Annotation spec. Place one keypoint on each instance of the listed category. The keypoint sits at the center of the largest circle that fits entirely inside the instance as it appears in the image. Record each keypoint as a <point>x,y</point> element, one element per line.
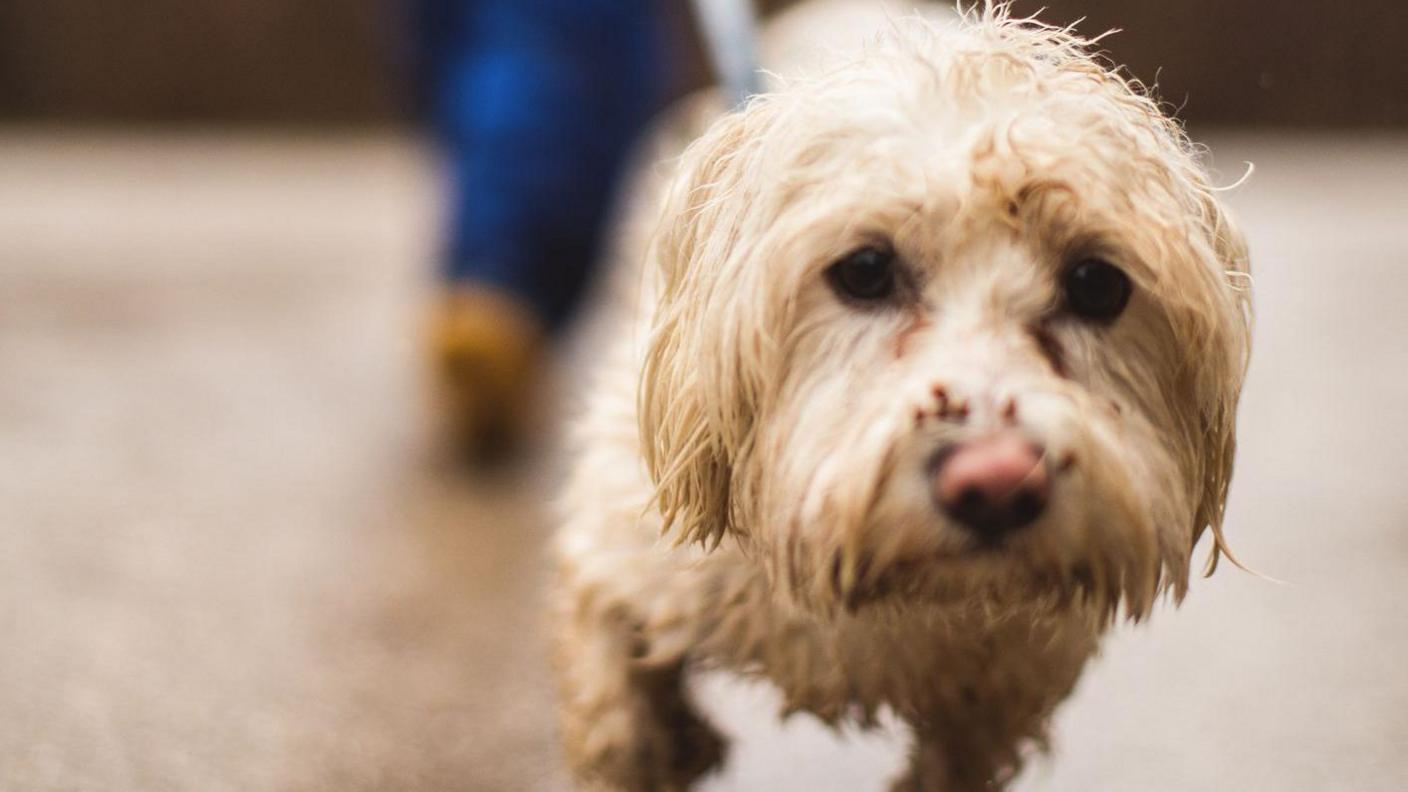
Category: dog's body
<point>817,446</point>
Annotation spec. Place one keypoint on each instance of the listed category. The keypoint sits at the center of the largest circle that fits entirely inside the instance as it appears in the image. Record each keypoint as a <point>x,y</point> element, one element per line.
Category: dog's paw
<point>698,750</point>
<point>666,751</point>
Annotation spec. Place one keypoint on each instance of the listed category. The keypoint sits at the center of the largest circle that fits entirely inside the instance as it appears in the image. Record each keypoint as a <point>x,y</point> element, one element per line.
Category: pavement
<point>234,556</point>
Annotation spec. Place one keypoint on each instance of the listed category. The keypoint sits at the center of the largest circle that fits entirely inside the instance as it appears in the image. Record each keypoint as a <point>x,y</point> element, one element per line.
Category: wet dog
<point>932,375</point>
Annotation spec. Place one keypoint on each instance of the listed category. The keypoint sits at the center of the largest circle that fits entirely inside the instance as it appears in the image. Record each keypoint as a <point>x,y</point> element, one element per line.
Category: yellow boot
<point>487,348</point>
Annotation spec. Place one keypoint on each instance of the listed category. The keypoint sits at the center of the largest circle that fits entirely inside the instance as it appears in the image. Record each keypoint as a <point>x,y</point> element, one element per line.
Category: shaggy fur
<point>749,489</point>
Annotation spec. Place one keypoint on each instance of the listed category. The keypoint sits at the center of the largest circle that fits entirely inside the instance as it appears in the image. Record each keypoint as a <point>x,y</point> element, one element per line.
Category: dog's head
<point>960,318</point>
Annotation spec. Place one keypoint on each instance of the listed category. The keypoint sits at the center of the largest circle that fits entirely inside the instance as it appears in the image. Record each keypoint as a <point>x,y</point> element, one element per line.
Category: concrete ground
<point>232,556</point>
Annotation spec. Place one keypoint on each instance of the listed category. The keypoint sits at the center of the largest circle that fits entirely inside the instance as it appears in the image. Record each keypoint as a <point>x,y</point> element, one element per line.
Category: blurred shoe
<point>487,349</point>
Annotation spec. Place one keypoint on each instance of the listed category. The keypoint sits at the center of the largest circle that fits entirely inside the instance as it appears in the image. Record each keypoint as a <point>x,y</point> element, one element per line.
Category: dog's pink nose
<point>992,485</point>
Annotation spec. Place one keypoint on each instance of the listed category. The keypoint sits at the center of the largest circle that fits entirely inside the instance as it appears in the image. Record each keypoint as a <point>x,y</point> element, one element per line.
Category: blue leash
<point>730,35</point>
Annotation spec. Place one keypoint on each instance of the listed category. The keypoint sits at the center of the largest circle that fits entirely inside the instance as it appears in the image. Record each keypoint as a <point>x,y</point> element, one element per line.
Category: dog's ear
<point>1221,373</point>
<point>699,386</point>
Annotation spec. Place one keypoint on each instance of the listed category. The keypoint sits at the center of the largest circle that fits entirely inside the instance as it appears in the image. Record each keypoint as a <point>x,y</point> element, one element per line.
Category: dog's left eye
<point>867,274</point>
<point>1096,289</point>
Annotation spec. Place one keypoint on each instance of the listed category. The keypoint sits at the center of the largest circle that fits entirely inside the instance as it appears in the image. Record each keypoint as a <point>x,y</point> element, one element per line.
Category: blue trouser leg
<point>536,103</point>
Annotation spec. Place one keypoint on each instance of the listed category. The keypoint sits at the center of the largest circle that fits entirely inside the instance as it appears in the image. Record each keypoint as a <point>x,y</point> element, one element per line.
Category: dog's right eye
<point>867,274</point>
<point>1096,289</point>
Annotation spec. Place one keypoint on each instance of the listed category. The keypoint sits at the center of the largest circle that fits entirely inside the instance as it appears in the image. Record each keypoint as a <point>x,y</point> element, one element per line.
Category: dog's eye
<point>1096,289</point>
<point>866,274</point>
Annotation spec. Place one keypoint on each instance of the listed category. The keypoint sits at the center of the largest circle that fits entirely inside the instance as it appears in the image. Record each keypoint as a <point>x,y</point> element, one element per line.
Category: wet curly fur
<point>748,488</point>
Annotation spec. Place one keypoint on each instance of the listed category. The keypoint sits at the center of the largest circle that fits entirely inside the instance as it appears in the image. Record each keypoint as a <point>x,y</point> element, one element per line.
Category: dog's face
<point>961,319</point>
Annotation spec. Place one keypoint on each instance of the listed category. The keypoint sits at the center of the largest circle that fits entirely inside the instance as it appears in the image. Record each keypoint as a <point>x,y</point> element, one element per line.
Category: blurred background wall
<point>214,61</point>
<point>1301,63</point>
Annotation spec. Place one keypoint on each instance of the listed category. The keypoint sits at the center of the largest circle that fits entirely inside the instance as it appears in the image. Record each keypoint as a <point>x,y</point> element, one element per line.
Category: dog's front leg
<point>627,725</point>
<point>945,760</point>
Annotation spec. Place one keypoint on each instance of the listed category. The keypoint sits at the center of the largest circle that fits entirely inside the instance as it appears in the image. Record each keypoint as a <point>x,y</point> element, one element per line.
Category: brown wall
<point>1270,62</point>
<point>1274,62</point>
<point>197,60</point>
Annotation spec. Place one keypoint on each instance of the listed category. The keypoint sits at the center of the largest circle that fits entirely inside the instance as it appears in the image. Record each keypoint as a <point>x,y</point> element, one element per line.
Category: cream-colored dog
<point>932,375</point>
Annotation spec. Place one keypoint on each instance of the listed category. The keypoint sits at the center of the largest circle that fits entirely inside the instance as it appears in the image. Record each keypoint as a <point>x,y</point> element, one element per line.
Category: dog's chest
<point>930,664</point>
